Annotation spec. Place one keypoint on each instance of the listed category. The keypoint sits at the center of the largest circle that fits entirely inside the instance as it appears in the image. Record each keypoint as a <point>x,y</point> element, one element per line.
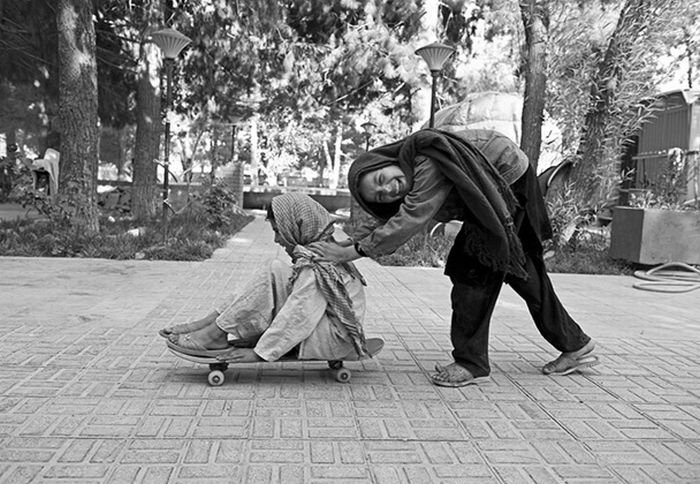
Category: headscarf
<point>300,221</point>
<point>490,233</point>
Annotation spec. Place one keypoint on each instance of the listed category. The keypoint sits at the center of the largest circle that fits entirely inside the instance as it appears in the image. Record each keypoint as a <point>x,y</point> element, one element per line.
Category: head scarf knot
<point>300,221</point>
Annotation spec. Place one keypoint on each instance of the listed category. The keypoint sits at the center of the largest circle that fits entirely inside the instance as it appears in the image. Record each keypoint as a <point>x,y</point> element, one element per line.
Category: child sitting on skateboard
<point>310,307</point>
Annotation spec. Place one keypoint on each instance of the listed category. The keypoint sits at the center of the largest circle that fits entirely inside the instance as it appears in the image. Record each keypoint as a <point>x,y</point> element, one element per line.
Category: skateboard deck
<point>340,373</point>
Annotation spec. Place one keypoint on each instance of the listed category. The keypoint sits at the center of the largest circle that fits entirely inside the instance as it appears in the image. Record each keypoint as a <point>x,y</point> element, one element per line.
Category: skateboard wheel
<point>216,378</point>
<point>335,364</point>
<point>342,375</point>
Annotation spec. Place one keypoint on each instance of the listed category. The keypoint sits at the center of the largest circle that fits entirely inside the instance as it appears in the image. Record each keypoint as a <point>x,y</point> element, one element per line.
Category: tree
<point>148,115</point>
<point>622,79</point>
<point>320,63</point>
<point>29,69</point>
<point>78,111</point>
<point>535,15</point>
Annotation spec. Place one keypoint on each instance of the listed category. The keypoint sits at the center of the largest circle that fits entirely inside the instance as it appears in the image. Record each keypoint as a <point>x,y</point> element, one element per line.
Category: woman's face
<point>279,240</point>
<point>383,185</point>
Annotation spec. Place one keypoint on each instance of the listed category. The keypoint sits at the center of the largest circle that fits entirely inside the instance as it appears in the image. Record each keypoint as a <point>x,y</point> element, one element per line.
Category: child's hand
<point>333,252</point>
<point>239,355</point>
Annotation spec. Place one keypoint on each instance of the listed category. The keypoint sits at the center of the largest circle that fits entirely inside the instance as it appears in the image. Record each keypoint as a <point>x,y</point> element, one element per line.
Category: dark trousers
<point>476,287</point>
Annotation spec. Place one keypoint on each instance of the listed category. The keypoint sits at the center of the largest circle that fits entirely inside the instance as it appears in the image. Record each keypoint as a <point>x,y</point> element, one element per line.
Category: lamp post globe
<point>435,55</point>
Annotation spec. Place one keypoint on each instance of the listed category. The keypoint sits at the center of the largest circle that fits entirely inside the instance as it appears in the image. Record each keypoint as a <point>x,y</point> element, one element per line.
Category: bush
<point>421,250</point>
<point>583,252</point>
<point>192,234</point>
<point>587,253</point>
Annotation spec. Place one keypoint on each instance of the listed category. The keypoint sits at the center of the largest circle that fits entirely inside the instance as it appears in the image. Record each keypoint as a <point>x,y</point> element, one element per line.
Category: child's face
<point>383,185</point>
<point>279,240</point>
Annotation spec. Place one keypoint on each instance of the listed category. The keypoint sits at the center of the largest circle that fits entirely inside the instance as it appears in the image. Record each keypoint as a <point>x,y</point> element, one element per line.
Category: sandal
<point>184,328</point>
<point>572,361</point>
<point>454,376</point>
<point>186,345</point>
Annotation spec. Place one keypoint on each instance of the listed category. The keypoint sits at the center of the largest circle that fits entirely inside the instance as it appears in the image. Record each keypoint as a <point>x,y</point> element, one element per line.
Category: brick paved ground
<point>90,394</point>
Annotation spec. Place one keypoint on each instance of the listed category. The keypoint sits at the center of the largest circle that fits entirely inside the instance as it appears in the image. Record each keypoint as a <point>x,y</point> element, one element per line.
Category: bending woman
<point>483,179</point>
<point>310,307</point>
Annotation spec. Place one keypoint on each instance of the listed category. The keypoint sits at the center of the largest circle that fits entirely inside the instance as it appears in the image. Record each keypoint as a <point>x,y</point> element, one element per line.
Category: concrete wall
<point>255,197</point>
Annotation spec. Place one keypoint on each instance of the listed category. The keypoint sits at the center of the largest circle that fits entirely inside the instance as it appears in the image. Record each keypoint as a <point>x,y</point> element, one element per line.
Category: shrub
<point>422,250</point>
<point>192,234</point>
<point>575,248</point>
<point>219,203</point>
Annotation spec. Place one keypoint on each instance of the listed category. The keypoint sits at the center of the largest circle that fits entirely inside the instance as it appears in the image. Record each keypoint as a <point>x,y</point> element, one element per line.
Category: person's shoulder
<point>425,164</point>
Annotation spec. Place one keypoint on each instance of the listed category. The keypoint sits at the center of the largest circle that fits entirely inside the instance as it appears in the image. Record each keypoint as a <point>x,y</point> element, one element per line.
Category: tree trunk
<point>10,136</point>
<point>122,136</point>
<point>214,153</point>
<point>535,15</point>
<point>254,151</point>
<point>144,190</point>
<point>596,139</point>
<point>688,41</point>
<point>78,111</point>
<point>237,180</point>
<point>326,162</point>
<point>337,152</point>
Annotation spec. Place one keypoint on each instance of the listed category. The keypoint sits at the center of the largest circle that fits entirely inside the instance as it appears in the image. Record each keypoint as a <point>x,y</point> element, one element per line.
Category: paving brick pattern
<point>89,392</point>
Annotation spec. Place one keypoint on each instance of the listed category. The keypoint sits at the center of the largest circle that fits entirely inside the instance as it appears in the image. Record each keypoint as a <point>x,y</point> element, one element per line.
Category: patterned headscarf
<point>300,221</point>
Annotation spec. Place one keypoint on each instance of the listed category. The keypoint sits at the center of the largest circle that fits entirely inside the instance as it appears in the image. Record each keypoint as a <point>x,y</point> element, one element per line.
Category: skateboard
<point>340,373</point>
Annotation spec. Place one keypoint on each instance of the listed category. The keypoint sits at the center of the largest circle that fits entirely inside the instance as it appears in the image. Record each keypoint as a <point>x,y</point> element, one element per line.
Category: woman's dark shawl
<point>490,232</point>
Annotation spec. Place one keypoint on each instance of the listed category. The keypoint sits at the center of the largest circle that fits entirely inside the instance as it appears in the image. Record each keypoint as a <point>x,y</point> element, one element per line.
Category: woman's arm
<point>427,195</point>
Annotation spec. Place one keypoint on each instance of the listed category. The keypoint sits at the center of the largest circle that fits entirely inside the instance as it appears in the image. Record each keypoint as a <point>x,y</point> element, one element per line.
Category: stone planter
<point>655,236</point>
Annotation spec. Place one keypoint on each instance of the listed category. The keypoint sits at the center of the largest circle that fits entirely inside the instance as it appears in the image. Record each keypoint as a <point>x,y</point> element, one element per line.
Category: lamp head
<point>435,55</point>
<point>368,126</point>
<point>170,41</point>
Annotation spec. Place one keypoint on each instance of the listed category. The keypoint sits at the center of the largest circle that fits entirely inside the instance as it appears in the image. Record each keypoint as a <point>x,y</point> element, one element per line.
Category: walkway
<point>89,392</point>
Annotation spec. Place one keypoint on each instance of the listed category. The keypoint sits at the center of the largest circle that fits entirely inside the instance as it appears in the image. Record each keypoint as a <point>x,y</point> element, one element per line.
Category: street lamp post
<point>435,55</point>
<point>235,120</point>
<point>369,129</point>
<point>171,42</point>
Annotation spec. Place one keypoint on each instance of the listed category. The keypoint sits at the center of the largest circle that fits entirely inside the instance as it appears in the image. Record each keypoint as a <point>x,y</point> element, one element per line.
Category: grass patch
<point>192,235</point>
<point>587,259</point>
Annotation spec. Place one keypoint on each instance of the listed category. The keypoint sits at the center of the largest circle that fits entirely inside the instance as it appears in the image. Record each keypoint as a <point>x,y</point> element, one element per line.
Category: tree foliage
<point>604,68</point>
<point>29,65</point>
<point>311,72</point>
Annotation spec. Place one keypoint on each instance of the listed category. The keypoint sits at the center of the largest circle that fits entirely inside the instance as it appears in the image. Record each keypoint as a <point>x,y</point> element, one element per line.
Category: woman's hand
<point>333,252</point>
<point>239,355</point>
